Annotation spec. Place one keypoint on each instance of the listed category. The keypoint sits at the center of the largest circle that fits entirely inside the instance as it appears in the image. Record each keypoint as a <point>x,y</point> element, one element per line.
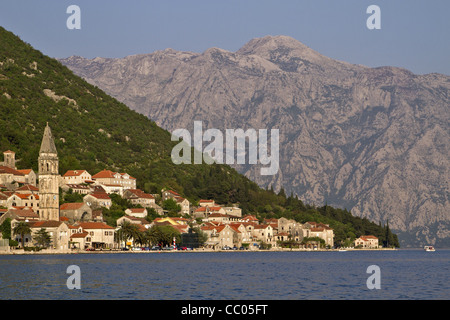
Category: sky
<point>414,34</point>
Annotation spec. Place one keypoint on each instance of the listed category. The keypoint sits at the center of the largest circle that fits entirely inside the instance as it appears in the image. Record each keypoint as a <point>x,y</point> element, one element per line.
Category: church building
<point>48,178</point>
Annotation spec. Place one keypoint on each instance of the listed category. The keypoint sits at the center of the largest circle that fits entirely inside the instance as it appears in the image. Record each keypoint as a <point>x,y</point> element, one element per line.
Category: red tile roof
<point>25,171</point>
<point>94,225</point>
<point>71,206</point>
<point>8,170</point>
<point>27,187</point>
<point>72,173</point>
<point>45,224</point>
<point>104,174</point>
<point>141,194</point>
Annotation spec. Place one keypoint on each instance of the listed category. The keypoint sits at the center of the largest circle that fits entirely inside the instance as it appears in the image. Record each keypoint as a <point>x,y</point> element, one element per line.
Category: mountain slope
<point>94,132</point>
<point>373,140</point>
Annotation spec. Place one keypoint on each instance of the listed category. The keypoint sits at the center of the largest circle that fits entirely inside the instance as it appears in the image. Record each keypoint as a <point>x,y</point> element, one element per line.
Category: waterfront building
<point>367,242</point>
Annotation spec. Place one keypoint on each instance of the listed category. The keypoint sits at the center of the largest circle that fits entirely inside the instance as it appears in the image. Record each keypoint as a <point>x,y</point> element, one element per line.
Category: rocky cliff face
<point>373,140</point>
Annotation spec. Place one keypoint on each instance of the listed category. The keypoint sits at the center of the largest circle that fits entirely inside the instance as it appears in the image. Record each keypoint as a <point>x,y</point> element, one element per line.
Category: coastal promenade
<point>201,250</point>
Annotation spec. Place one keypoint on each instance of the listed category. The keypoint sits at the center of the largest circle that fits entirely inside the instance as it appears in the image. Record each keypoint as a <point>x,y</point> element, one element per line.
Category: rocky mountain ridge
<point>372,140</point>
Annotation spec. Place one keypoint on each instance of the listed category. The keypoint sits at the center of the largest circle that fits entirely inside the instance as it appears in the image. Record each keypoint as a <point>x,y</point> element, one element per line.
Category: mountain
<point>372,140</point>
<point>94,131</point>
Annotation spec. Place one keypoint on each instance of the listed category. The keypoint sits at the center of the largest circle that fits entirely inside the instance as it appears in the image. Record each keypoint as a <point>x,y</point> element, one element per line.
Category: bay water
<point>403,275</point>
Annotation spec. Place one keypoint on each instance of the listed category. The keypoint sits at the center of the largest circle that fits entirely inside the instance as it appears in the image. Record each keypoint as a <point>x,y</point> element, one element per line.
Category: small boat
<point>429,248</point>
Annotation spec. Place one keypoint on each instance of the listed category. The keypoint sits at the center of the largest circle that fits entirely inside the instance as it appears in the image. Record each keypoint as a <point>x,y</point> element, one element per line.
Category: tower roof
<point>48,143</point>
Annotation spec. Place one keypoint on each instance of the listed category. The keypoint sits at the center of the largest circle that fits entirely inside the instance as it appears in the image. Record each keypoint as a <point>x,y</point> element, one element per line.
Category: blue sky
<point>415,34</point>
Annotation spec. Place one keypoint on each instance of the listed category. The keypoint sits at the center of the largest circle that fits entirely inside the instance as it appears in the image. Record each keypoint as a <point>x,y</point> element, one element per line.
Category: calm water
<point>405,274</point>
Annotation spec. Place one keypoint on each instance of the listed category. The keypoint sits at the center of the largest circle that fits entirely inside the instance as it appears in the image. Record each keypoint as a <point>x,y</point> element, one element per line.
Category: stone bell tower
<point>48,178</point>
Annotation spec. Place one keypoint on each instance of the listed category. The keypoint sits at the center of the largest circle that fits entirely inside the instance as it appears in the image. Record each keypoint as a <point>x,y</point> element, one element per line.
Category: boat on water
<point>429,248</point>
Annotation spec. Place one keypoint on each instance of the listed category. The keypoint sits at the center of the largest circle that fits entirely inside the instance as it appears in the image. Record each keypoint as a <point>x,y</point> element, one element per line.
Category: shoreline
<point>55,252</point>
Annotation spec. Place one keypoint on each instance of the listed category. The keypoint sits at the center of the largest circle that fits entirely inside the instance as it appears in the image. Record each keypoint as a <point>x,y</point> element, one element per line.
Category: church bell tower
<point>48,178</point>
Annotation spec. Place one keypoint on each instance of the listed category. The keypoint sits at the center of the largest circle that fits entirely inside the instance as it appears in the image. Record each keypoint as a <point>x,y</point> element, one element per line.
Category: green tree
<point>173,209</point>
<point>5,229</point>
<point>129,231</point>
<point>42,238</point>
<point>22,229</point>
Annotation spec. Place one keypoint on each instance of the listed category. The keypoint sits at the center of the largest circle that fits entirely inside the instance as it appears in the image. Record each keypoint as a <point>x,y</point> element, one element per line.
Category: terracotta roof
<point>141,194</point>
<point>94,225</point>
<point>79,235</point>
<point>104,174</point>
<point>218,215</point>
<point>28,187</point>
<point>24,213</point>
<point>8,170</point>
<point>77,186</point>
<point>72,173</point>
<point>71,206</point>
<point>9,151</point>
<point>45,224</point>
<point>141,220</point>
<point>109,174</point>
<point>262,226</point>
<point>172,192</point>
<point>25,171</point>
<point>100,195</point>
<point>26,196</point>
<point>369,237</point>
<point>137,210</point>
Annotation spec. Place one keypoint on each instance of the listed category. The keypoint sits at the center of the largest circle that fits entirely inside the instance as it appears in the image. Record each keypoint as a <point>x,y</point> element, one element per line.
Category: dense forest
<point>93,131</point>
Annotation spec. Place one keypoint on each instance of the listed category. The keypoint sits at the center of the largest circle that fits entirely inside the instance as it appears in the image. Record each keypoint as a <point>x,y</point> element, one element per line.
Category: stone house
<point>184,205</point>
<point>76,211</point>
<point>134,220</point>
<point>100,235</point>
<point>233,211</point>
<point>10,177</point>
<point>77,188</point>
<point>29,177</point>
<point>76,177</point>
<point>292,228</point>
<point>30,200</point>
<point>136,212</point>
<point>206,203</point>
<point>168,194</point>
<point>323,231</point>
<point>109,177</point>
<point>264,233</point>
<point>367,242</point>
<point>96,200</point>
<point>139,197</point>
<point>221,236</point>
<point>58,231</point>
